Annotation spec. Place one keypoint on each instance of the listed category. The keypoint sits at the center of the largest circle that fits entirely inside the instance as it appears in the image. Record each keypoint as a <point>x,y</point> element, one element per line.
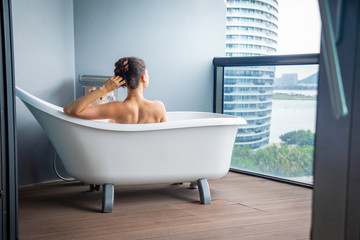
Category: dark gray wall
<point>44,66</point>
<point>177,39</point>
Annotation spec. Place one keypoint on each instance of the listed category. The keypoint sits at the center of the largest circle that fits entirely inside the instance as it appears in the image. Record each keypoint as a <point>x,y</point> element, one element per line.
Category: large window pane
<point>278,102</point>
<point>279,105</point>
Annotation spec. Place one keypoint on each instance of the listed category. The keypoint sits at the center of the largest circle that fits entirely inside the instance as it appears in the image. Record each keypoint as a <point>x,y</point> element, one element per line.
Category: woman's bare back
<point>134,111</point>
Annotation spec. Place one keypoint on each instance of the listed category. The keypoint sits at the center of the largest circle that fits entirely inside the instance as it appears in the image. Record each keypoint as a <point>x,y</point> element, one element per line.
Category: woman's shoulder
<point>157,104</point>
<point>158,108</point>
<point>161,110</point>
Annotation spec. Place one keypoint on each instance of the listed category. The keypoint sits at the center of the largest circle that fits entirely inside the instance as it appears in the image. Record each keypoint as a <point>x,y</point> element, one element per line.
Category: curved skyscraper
<point>251,30</point>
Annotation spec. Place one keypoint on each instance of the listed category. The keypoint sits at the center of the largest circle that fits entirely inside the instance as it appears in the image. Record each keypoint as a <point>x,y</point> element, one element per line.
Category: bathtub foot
<point>93,188</point>
<point>193,185</point>
<point>204,191</point>
<point>108,198</point>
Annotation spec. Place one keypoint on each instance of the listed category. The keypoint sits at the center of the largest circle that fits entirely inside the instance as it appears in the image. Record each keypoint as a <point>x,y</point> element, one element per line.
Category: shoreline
<point>294,98</point>
<point>285,96</point>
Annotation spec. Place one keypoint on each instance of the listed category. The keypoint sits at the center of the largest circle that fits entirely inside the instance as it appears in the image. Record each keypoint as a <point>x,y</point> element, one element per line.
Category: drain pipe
<point>57,172</point>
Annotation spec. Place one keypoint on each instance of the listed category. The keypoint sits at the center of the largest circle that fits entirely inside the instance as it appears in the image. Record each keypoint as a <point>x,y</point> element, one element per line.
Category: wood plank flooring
<point>243,207</point>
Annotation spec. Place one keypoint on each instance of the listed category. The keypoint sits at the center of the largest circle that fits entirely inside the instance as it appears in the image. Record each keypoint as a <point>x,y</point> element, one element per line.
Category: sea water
<point>291,115</point>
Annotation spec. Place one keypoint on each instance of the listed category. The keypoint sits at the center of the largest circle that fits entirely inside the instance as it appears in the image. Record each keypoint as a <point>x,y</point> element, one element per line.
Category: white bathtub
<point>191,146</point>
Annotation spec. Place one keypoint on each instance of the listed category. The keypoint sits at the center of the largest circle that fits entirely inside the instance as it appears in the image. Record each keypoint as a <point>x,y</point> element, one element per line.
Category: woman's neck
<point>135,93</point>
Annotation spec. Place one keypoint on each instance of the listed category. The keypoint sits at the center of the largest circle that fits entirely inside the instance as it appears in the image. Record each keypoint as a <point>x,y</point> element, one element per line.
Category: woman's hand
<point>113,83</point>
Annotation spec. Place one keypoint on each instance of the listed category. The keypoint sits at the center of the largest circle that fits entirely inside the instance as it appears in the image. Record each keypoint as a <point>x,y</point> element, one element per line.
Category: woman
<point>129,72</point>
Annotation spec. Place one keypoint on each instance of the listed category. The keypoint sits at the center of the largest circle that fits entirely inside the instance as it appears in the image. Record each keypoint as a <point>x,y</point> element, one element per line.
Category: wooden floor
<point>243,207</point>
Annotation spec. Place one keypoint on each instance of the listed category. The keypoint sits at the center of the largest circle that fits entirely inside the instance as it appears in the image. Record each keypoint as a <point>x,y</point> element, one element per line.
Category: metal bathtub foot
<point>108,198</point>
<point>93,188</point>
<point>204,191</point>
<point>193,185</point>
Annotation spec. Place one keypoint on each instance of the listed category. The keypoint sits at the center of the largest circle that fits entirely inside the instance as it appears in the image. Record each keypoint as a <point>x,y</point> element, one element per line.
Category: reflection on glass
<point>279,104</point>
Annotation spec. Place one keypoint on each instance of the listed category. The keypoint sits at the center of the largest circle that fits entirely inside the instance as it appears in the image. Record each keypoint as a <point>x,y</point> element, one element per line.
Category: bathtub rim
<point>207,119</point>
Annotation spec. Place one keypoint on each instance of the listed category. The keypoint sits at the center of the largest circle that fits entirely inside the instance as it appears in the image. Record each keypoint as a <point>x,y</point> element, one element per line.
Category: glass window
<point>278,102</point>
<point>279,105</point>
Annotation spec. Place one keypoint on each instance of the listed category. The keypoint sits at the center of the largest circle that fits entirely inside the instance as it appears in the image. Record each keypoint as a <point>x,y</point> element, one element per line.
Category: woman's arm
<point>80,107</point>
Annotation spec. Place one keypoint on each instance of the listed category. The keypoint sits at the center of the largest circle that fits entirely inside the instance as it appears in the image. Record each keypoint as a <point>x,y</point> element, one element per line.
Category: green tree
<point>284,160</point>
<point>299,137</point>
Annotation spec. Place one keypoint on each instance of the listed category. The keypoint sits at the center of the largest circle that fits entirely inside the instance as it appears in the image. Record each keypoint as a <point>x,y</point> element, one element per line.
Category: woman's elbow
<point>75,113</point>
<point>164,117</point>
<point>68,111</point>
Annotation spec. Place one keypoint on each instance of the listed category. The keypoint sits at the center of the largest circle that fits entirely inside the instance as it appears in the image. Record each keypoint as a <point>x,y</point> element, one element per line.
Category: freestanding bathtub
<point>191,146</point>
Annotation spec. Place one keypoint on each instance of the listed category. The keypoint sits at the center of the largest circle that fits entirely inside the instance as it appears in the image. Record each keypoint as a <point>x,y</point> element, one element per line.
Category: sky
<point>299,27</point>
<point>299,32</point>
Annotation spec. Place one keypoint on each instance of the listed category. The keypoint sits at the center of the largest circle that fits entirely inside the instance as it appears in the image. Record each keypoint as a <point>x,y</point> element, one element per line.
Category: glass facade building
<point>251,30</point>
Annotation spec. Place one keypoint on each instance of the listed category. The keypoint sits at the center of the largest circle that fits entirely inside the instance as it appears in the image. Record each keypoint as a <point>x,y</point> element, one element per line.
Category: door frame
<point>336,192</point>
<point>8,160</point>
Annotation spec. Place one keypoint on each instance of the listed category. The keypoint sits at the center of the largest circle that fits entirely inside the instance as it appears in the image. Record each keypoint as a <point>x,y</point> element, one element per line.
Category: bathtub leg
<point>108,198</point>
<point>93,188</point>
<point>204,191</point>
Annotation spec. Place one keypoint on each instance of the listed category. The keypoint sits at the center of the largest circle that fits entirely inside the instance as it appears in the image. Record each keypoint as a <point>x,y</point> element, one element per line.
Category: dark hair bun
<point>131,69</point>
<point>121,66</point>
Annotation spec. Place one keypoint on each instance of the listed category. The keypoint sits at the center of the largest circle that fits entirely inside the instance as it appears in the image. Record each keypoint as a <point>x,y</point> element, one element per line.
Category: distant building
<point>251,30</point>
<point>287,79</point>
<point>290,81</point>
